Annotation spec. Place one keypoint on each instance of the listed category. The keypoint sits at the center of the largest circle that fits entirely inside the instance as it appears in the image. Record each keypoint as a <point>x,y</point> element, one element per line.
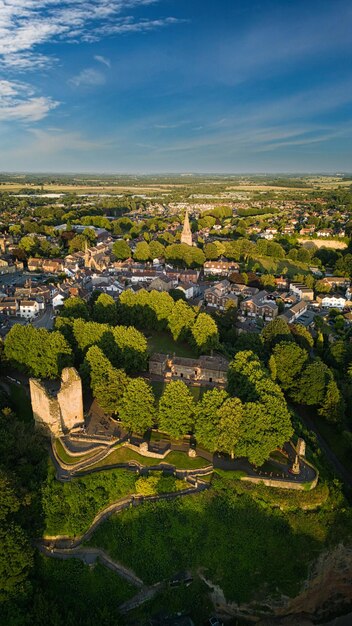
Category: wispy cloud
<point>102,60</point>
<point>18,101</point>
<point>88,77</point>
<point>27,24</point>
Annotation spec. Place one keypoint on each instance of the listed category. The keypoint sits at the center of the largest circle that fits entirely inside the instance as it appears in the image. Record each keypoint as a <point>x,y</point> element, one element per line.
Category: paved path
<point>90,556</point>
<point>66,547</point>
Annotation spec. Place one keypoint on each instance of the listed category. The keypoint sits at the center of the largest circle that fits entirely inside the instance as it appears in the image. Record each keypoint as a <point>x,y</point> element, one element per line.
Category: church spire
<point>186,236</point>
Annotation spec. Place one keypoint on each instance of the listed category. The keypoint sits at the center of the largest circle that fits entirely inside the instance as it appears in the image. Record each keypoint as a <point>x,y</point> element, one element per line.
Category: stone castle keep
<point>58,407</point>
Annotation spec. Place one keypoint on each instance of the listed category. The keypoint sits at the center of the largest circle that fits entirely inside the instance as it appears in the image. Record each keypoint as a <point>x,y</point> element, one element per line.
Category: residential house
<point>281,283</point>
<point>29,309</point>
<point>220,268</point>
<point>9,306</point>
<point>331,301</point>
<point>292,314</point>
<point>303,292</point>
<point>161,283</point>
<point>336,281</point>
<point>260,306</point>
<point>219,295</point>
<point>243,290</point>
<point>189,289</point>
<point>58,299</point>
<point>324,232</point>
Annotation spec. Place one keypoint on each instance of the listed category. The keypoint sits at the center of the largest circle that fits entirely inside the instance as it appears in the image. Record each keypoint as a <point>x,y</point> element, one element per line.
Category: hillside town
<point>263,259</point>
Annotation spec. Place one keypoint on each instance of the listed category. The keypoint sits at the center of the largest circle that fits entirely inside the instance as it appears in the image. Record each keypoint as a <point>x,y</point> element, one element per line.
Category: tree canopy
<point>37,352</point>
<point>137,406</point>
<point>176,409</point>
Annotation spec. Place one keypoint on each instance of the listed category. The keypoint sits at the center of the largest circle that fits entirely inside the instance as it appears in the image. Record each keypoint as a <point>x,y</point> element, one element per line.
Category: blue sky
<point>176,85</point>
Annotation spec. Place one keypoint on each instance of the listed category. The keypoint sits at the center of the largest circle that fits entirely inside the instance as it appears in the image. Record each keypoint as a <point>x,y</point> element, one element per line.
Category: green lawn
<point>277,266</point>
<point>163,342</point>
<point>159,386</point>
<point>237,535</point>
<point>68,458</point>
<point>180,459</point>
<point>183,461</point>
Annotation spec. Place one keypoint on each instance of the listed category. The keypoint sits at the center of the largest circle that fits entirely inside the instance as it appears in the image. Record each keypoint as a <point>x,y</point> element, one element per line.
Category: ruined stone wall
<point>281,484</point>
<point>61,412</point>
<point>45,408</point>
<point>70,399</point>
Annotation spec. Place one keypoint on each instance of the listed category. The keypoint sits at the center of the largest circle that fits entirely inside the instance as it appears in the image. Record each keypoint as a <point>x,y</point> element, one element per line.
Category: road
<point>45,320</point>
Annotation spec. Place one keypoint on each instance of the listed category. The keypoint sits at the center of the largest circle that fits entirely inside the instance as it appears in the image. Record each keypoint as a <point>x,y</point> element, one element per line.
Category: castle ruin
<point>58,407</point>
<point>204,370</point>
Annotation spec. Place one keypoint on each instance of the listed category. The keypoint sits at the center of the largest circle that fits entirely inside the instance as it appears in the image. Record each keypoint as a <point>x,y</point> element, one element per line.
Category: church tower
<point>186,236</point>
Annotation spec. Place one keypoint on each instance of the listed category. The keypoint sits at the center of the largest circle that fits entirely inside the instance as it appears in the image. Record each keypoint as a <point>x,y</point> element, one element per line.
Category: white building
<point>333,302</point>
<point>188,289</point>
<point>29,309</point>
<point>58,300</point>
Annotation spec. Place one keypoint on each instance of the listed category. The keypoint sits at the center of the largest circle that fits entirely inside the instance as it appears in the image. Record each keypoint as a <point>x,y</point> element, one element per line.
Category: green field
<point>278,266</point>
<point>163,342</point>
<point>159,386</point>
<point>181,460</point>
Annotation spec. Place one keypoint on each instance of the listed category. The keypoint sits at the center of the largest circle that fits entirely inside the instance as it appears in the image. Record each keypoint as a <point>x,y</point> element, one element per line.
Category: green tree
<point>230,418</point>
<point>16,560</point>
<point>322,287</point>
<point>302,336</point>
<point>37,352</point>
<point>266,421</point>
<point>75,307</point>
<point>104,310</point>
<point>211,251</point>
<point>157,250</point>
<point>207,418</point>
<point>107,383</point>
<point>176,409</point>
<point>121,250</point>
<point>333,406</point>
<point>274,332</point>
<point>28,244</point>
<point>142,251</point>
<point>311,386</point>
<point>137,407</point>
<point>205,333</point>
<point>289,361</point>
<point>77,242</point>
<point>16,554</point>
<point>181,320</point>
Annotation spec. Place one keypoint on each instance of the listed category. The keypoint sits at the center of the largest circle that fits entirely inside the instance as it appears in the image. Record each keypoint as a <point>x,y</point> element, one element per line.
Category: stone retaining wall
<point>281,484</point>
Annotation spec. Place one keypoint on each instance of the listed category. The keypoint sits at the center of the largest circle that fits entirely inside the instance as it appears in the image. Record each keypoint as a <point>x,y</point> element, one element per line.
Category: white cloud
<point>88,77</point>
<point>27,24</point>
<point>18,101</point>
<point>103,60</point>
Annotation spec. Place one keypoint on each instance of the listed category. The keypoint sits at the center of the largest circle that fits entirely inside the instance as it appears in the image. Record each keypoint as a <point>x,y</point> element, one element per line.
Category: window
<point>210,380</point>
